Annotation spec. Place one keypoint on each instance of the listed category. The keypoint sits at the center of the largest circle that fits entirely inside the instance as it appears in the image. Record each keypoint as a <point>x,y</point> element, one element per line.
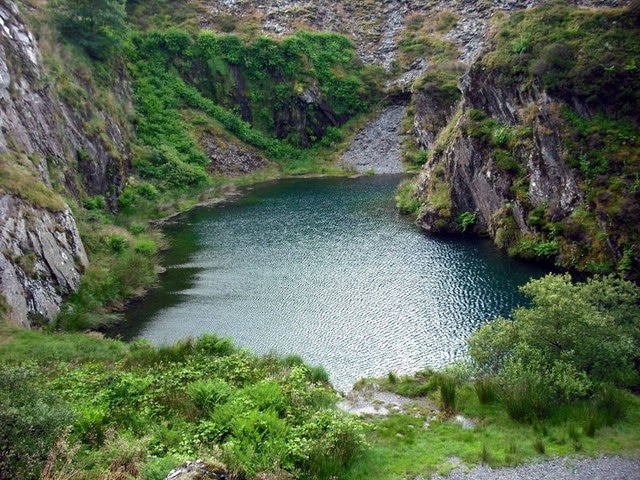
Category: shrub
<point>117,242</point>
<point>31,420</point>
<point>95,203</point>
<point>466,219</point>
<point>407,200</point>
<point>607,406</point>
<point>326,444</point>
<point>145,247</point>
<point>538,446</point>
<point>485,388</point>
<point>210,344</point>
<point>448,389</point>
<point>420,157</point>
<point>524,393</point>
<point>318,374</point>
<point>207,394</point>
<point>573,337</point>
<point>96,26</point>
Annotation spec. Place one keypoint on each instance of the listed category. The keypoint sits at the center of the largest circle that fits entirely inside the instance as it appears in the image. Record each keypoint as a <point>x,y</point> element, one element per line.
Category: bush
<point>318,374</point>
<point>145,247</point>
<point>574,336</point>
<point>525,393</point>
<point>485,388</point>
<point>466,219</point>
<point>407,200</point>
<point>207,394</point>
<point>98,26</point>
<point>117,242</point>
<point>31,420</point>
<point>210,344</point>
<point>607,406</point>
<point>326,444</point>
<point>95,203</point>
<point>448,389</point>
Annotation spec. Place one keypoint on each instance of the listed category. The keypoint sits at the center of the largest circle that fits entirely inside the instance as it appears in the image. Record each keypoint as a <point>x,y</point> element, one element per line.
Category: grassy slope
<point>402,447</point>
<point>146,410</point>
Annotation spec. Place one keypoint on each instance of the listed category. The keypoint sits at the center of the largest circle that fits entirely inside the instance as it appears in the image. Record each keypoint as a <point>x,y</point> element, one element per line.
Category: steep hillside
<point>59,135</point>
<point>542,151</point>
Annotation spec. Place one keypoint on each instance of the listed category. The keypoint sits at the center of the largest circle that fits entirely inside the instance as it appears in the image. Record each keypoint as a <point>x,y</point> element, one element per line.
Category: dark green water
<point>327,269</point>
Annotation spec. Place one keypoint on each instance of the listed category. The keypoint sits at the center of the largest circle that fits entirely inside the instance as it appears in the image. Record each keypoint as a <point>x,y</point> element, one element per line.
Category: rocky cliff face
<point>41,261</point>
<point>476,181</point>
<point>505,161</point>
<point>374,26</point>
<point>46,145</point>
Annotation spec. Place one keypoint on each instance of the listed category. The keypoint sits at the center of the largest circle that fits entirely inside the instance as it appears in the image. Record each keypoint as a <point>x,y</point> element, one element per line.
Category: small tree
<point>97,26</point>
<point>574,336</point>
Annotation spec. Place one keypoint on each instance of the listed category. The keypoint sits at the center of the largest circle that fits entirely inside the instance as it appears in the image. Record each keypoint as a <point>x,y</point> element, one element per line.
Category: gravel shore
<point>563,468</point>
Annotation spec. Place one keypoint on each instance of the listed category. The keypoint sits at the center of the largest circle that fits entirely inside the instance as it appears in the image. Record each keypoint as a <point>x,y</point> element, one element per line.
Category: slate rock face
<point>476,183</point>
<point>45,142</point>
<point>41,258</point>
<point>198,470</point>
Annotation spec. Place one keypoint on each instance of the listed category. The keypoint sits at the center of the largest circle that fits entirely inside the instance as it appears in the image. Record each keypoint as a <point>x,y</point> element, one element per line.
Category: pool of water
<point>327,269</point>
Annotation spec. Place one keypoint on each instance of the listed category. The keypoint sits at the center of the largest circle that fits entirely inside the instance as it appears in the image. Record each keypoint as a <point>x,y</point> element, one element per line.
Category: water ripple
<point>326,268</point>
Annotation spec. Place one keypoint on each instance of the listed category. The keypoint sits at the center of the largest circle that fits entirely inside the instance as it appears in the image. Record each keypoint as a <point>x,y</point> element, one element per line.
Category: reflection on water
<point>327,269</point>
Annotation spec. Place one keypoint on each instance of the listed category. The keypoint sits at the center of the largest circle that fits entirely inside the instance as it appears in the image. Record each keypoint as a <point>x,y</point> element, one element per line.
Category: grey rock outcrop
<point>229,157</point>
<point>375,27</point>
<point>35,121</point>
<point>46,145</point>
<point>476,183</point>
<point>41,258</point>
<point>198,470</point>
<point>376,148</point>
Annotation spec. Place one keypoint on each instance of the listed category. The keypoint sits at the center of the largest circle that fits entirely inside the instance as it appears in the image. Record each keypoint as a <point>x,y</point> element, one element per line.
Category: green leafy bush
<point>98,26</point>
<point>117,242</point>
<point>31,420</point>
<point>407,200</point>
<point>94,203</point>
<point>573,337</point>
<point>466,219</point>
<point>207,394</point>
<point>326,444</point>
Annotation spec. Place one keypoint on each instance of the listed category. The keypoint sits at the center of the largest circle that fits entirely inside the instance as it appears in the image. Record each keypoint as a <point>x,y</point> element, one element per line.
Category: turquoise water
<point>326,268</point>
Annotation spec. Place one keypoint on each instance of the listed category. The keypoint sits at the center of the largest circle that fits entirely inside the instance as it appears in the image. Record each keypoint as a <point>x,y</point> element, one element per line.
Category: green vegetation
<point>466,220</point>
<point>580,57</point>
<point>591,55</point>
<point>20,181</point>
<point>575,341</point>
<point>85,407</point>
<point>423,39</point>
<point>114,252</point>
<point>506,143</point>
<point>407,200</point>
<point>552,381</point>
<point>251,89</point>
<point>96,26</point>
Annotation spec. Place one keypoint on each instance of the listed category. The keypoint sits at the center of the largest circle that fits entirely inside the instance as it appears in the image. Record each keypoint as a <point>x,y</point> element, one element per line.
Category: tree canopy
<point>95,25</point>
<point>574,338</point>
